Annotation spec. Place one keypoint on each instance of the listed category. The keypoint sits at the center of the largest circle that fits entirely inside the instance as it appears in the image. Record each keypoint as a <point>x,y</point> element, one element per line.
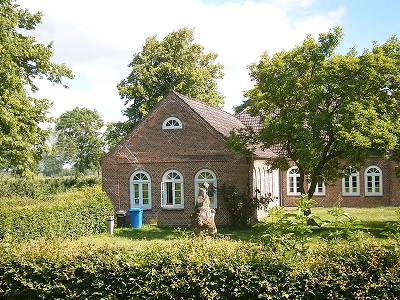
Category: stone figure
<point>203,216</point>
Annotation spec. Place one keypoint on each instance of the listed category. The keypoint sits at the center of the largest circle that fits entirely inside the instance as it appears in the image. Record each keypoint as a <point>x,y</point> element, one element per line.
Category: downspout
<point>119,197</point>
<point>280,187</point>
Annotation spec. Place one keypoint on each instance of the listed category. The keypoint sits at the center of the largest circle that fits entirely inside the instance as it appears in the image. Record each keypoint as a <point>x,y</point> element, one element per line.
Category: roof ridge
<point>183,97</point>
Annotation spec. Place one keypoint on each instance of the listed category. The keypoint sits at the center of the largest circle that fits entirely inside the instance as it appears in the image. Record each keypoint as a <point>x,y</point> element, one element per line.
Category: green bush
<point>241,208</point>
<point>196,268</point>
<point>72,214</point>
<point>41,187</point>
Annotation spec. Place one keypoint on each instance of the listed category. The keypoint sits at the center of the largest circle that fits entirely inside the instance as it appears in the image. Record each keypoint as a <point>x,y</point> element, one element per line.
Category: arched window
<point>140,190</point>
<point>268,182</point>
<point>351,182</point>
<point>172,123</point>
<point>208,176</point>
<point>293,181</point>
<point>255,181</point>
<point>373,181</point>
<point>172,190</point>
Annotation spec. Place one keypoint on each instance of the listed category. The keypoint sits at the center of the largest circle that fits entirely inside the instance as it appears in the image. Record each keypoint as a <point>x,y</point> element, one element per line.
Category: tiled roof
<point>248,120</point>
<point>224,122</point>
<point>219,119</point>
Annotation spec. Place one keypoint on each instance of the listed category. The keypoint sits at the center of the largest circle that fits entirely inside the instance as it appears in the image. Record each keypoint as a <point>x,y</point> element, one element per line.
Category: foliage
<point>241,208</point>
<point>40,188</point>
<point>325,111</point>
<point>175,63</point>
<point>72,214</point>
<point>22,60</point>
<point>80,139</point>
<point>115,132</point>
<point>196,268</point>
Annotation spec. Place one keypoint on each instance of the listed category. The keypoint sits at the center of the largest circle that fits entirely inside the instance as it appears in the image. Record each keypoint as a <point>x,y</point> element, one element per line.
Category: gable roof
<point>220,120</point>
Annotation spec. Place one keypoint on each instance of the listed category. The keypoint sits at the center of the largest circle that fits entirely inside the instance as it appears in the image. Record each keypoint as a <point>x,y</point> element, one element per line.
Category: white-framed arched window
<point>293,181</point>
<point>172,190</point>
<point>254,182</point>
<point>140,190</point>
<point>208,176</point>
<point>268,182</point>
<point>172,123</point>
<point>373,181</point>
<point>351,182</point>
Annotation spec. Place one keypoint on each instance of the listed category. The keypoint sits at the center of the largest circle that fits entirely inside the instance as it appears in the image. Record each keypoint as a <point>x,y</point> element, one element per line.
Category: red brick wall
<point>391,189</point>
<point>197,146</point>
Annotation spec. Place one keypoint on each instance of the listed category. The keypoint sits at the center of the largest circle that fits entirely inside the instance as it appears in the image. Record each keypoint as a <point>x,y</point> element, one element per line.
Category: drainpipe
<point>280,187</point>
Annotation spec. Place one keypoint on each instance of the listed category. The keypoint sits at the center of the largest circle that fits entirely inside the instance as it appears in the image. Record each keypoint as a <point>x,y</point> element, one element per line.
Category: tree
<point>22,60</point>
<point>52,163</point>
<point>115,132</point>
<point>80,138</point>
<point>173,63</point>
<point>325,111</point>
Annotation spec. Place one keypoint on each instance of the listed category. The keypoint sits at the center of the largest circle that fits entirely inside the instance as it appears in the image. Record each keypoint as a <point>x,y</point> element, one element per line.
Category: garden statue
<point>203,216</point>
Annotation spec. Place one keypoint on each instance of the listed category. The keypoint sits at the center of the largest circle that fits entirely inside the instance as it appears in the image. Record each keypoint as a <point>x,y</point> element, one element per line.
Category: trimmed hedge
<point>73,214</point>
<point>197,268</point>
<point>41,187</point>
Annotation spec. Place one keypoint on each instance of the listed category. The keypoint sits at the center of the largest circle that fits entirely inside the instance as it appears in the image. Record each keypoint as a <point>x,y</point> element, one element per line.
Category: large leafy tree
<point>176,63</point>
<point>79,138</point>
<point>322,110</point>
<point>22,59</point>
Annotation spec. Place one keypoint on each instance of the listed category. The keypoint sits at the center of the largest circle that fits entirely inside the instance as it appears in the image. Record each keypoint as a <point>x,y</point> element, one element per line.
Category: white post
<point>110,224</point>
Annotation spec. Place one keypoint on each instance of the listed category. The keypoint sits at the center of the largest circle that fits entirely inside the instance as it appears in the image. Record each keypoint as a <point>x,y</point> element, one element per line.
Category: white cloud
<point>97,39</point>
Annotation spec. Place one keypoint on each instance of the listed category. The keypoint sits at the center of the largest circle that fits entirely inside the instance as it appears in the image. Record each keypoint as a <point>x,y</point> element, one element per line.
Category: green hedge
<point>72,214</point>
<point>41,187</point>
<point>200,268</point>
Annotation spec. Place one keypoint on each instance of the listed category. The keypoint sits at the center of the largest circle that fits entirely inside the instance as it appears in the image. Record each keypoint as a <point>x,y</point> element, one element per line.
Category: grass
<point>371,221</point>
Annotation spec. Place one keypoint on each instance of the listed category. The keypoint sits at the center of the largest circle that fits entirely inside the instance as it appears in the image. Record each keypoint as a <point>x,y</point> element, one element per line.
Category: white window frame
<point>200,178</point>
<point>320,189</point>
<point>269,182</point>
<point>374,184</point>
<point>293,181</point>
<point>172,123</point>
<point>140,184</point>
<point>353,180</point>
<point>255,181</point>
<point>171,182</point>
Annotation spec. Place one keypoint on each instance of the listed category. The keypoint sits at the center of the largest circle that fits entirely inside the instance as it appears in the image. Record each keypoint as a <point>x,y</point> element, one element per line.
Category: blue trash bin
<point>136,215</point>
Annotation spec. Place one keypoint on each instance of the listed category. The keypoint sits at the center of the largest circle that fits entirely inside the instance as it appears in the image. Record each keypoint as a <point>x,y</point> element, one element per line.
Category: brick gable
<point>200,144</point>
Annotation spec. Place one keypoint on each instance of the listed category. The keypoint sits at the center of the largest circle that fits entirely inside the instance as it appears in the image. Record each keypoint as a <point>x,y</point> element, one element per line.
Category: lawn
<point>371,221</point>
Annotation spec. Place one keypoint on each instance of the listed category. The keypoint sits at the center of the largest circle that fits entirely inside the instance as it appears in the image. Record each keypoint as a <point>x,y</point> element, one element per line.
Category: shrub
<point>196,268</point>
<point>72,214</point>
<point>41,187</point>
<point>241,208</point>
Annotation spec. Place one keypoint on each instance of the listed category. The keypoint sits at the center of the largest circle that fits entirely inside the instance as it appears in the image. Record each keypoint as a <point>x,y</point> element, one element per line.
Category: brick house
<point>182,142</point>
<point>377,183</point>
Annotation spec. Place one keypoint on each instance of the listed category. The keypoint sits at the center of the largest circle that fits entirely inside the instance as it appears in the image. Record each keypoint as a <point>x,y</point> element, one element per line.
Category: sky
<point>97,38</point>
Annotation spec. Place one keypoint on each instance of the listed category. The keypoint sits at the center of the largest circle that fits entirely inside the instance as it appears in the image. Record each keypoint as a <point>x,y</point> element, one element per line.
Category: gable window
<point>208,176</point>
<point>351,183</point>
<point>172,123</point>
<point>373,181</point>
<point>140,190</point>
<point>172,190</point>
<point>293,181</point>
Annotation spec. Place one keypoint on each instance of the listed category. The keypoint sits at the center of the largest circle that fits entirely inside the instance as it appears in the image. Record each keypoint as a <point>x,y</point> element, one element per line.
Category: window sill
<point>167,207</point>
